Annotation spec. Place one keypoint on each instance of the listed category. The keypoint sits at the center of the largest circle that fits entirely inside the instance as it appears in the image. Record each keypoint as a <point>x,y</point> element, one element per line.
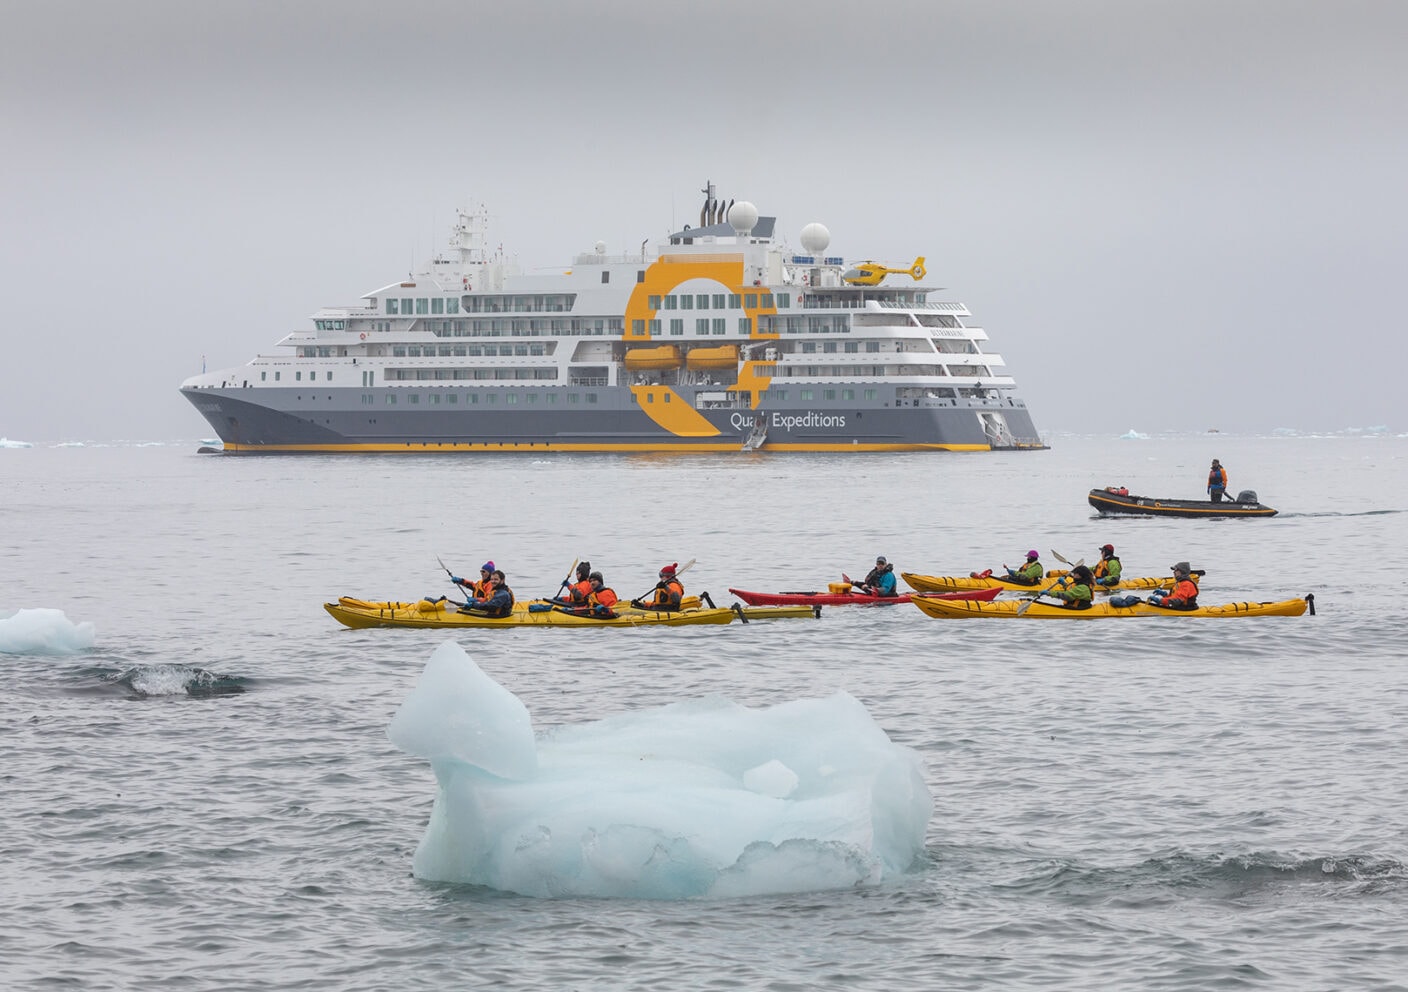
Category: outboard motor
<point>1247,496</point>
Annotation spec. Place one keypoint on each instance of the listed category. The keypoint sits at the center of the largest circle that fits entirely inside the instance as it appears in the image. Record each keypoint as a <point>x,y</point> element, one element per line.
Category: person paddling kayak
<point>1029,574</point>
<point>1183,596</point>
<point>1107,569</point>
<point>1075,589</point>
<point>668,594</point>
<point>879,581</point>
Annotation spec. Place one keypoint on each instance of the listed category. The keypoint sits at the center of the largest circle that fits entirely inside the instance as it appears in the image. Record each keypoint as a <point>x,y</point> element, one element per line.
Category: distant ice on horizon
<point>1133,435</point>
<point>7,443</point>
<point>44,631</point>
<point>701,798</point>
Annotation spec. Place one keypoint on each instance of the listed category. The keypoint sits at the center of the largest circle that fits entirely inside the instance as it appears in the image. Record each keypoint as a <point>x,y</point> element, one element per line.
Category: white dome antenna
<point>815,238</point>
<point>743,217</point>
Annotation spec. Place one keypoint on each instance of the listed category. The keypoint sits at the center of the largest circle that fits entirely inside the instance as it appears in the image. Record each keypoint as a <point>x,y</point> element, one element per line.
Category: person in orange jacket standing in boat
<point>1217,481</point>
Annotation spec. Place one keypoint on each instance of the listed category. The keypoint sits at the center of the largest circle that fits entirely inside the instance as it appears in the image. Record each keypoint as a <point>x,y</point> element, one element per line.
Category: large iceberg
<point>704,798</point>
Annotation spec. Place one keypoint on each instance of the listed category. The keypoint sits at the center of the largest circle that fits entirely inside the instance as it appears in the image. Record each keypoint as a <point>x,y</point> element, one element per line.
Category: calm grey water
<point>207,799</point>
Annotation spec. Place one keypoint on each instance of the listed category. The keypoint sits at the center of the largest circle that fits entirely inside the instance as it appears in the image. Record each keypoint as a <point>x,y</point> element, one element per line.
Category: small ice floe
<point>44,631</point>
<point>1133,435</point>
<point>7,443</point>
<point>700,798</point>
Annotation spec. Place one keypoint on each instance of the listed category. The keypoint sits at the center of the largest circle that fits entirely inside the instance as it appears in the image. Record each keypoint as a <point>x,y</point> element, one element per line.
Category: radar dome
<point>742,216</point>
<point>815,238</point>
<point>601,247</point>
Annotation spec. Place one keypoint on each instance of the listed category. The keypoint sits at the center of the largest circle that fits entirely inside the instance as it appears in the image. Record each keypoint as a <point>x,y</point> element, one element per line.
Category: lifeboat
<point>665,356</point>
<point>723,357</point>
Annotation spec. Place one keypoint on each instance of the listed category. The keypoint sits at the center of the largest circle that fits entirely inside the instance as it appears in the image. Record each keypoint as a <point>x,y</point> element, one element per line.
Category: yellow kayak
<point>955,583</point>
<point>967,608</point>
<point>425,613</point>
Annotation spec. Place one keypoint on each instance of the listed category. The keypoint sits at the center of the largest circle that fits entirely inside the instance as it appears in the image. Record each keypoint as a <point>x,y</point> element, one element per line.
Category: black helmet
<point>596,577</point>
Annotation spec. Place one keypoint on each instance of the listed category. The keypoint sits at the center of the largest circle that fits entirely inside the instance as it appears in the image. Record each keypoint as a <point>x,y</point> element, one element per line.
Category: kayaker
<point>1029,574</point>
<point>668,594</point>
<point>1075,589</point>
<point>1217,481</point>
<point>1107,569</point>
<point>480,589</point>
<point>1183,596</point>
<point>602,598</point>
<point>575,593</point>
<point>497,603</point>
<point>879,581</point>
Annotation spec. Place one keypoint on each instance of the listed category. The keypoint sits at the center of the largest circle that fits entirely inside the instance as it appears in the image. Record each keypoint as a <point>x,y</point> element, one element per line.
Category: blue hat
<point>488,566</point>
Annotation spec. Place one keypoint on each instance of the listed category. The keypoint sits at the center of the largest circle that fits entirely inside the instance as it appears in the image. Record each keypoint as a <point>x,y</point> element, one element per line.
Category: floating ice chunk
<point>44,631</point>
<point>1133,435</point>
<point>698,798</point>
<point>458,715</point>
<point>7,443</point>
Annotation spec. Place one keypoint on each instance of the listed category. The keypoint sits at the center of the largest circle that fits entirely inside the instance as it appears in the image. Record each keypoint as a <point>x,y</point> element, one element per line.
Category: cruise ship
<point>722,339</point>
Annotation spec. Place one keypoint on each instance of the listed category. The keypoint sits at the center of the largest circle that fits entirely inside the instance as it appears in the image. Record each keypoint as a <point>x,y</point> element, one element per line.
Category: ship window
<point>473,397</point>
<point>520,349</point>
<point>829,347</point>
<point>459,351</point>
<point>829,394</point>
<point>422,305</point>
<point>263,376</point>
<point>637,327</point>
<point>653,302</point>
<point>277,375</point>
<point>852,347</point>
<point>591,397</point>
<point>606,276</point>
<point>552,398</point>
<point>750,301</point>
<point>671,302</point>
<point>390,399</point>
<point>686,302</point>
<point>298,377</point>
<point>405,305</point>
<point>784,300</point>
<point>720,323</point>
<point>767,299</point>
<point>872,346</point>
<point>452,305</point>
<point>511,399</point>
<point>871,394</point>
<point>413,351</point>
<point>415,399</point>
<point>640,275</point>
<point>491,398</point>
<point>734,301</point>
<point>453,398</point>
<point>649,397</point>
<point>537,349</point>
<point>718,301</point>
<point>437,305</point>
<point>391,307</point>
<point>808,347</point>
<point>702,301</point>
<point>434,399</point>
<point>532,397</point>
<point>599,327</point>
<point>676,325</point>
<point>701,325</point>
<point>804,394</point>
<point>572,397</point>
<point>655,327</point>
<point>745,325</point>
<point>848,394</point>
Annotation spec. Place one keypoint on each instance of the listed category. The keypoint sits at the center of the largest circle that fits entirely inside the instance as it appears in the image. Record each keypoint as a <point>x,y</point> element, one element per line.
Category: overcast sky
<point>1176,215</point>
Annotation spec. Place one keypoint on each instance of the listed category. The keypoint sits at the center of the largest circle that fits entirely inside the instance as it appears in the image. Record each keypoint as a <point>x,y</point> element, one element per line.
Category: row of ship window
<point>473,399</point>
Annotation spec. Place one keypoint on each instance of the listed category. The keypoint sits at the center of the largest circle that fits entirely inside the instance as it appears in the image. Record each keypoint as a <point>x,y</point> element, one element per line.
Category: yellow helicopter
<point>873,273</point>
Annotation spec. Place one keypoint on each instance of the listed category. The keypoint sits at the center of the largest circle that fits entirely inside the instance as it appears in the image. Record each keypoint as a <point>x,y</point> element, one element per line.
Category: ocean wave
<point>1219,876</point>
<point>145,681</point>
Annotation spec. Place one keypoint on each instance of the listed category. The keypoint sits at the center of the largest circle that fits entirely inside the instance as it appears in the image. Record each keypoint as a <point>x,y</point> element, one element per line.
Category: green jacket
<point>1031,572</point>
<point>1076,594</point>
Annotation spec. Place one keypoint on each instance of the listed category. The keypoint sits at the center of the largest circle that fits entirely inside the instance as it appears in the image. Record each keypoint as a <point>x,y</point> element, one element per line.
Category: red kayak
<point>851,598</point>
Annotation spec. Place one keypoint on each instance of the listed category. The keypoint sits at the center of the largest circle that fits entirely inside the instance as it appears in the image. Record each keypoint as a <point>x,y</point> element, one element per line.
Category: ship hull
<point>367,420</point>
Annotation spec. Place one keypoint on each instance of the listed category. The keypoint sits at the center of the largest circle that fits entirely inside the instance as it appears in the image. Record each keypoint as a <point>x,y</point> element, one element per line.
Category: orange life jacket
<point>668,594</point>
